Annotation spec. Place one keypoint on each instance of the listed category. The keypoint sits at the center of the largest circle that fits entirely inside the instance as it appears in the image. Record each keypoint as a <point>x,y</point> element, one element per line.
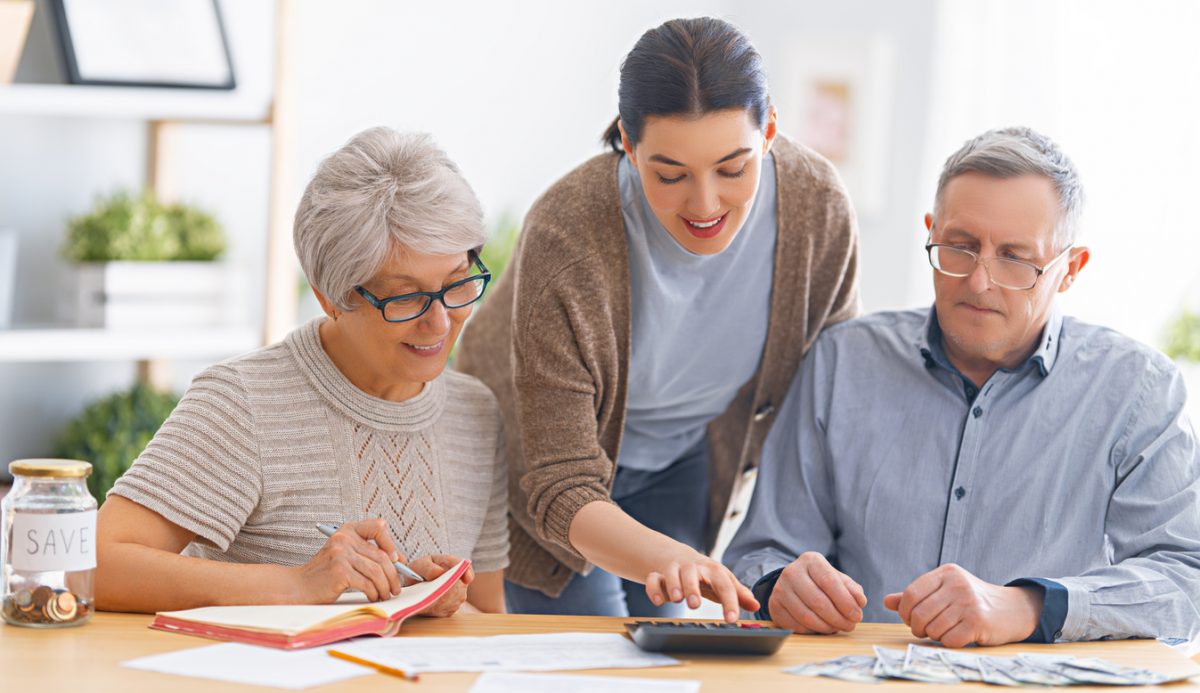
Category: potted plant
<point>140,263</point>
<point>111,432</point>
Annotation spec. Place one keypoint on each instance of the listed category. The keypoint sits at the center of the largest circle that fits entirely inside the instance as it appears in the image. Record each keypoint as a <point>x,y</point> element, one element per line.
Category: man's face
<point>985,325</point>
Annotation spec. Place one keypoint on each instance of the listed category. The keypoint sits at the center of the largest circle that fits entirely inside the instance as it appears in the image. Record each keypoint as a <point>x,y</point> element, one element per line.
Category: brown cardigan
<point>552,342</point>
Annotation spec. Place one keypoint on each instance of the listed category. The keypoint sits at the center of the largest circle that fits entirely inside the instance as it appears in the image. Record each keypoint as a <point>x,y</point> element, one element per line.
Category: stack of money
<point>935,665</point>
<point>45,606</point>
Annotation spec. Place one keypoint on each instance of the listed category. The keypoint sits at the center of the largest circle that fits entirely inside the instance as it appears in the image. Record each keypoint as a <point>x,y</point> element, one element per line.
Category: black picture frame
<point>65,29</point>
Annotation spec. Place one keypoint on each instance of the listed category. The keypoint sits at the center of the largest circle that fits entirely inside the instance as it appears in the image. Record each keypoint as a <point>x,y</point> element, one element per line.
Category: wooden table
<point>88,658</point>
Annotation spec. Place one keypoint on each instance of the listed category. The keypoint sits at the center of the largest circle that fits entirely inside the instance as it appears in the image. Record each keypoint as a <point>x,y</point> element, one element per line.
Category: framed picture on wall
<point>145,43</point>
<point>835,96</point>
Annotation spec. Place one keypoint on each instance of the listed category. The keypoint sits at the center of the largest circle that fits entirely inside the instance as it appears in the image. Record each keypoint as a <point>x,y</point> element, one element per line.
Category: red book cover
<point>294,627</point>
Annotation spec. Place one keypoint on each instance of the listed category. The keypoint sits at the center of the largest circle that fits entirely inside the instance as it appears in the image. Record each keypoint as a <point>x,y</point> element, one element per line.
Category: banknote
<point>940,665</point>
<point>965,666</point>
<point>890,664</point>
<point>926,662</point>
<point>855,668</point>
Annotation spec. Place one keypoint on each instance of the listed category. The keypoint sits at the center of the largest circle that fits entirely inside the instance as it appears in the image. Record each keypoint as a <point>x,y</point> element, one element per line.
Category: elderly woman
<point>352,419</point>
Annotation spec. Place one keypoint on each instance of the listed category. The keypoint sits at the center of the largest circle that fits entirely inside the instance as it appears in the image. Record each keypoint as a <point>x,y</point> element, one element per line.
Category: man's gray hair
<point>382,191</point>
<point>1018,151</point>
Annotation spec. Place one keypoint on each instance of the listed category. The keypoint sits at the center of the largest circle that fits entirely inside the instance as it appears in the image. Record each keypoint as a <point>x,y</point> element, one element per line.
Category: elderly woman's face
<point>412,352</point>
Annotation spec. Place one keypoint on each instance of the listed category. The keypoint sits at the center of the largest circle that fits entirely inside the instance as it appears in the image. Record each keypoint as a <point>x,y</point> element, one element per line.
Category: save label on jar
<point>53,541</point>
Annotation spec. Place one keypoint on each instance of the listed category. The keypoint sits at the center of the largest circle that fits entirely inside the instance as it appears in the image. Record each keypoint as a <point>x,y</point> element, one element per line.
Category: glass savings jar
<point>48,547</point>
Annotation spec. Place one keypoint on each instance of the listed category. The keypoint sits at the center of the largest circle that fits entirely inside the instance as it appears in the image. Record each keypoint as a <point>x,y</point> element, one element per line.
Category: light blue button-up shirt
<point>1079,467</point>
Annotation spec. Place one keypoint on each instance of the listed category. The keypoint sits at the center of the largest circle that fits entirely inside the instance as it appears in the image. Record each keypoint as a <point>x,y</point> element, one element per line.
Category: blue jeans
<point>673,501</point>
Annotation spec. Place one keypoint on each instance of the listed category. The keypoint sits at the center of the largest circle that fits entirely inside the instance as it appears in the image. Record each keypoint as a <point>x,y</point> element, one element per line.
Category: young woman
<point>659,302</point>
<point>350,420</point>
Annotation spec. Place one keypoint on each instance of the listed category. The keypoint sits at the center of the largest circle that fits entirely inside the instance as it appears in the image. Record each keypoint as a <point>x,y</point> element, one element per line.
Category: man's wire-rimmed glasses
<point>1006,273</point>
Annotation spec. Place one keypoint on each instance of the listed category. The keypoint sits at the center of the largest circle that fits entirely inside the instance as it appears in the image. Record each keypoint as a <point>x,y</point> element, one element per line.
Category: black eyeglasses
<point>407,307</point>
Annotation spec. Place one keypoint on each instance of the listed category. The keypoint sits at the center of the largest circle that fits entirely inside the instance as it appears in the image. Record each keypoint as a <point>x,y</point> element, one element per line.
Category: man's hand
<point>952,606</point>
<point>811,596</point>
<point>430,567</point>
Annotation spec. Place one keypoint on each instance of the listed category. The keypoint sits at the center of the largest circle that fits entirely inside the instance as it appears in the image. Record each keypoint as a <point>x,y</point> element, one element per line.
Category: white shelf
<point>138,103</point>
<point>76,344</point>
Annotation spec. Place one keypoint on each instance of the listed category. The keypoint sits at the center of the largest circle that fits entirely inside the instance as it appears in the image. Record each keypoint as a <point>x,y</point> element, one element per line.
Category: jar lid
<point>57,469</point>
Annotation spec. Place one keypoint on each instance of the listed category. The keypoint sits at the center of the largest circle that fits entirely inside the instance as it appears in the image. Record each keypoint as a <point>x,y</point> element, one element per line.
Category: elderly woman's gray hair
<point>1018,151</point>
<point>382,191</point>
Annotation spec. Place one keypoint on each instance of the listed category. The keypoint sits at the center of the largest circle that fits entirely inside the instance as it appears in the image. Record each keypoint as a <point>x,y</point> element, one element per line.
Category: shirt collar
<point>929,344</point>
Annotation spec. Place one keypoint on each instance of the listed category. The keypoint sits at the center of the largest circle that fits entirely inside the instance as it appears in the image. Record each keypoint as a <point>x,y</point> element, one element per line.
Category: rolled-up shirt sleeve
<point>792,509</point>
<point>1152,588</point>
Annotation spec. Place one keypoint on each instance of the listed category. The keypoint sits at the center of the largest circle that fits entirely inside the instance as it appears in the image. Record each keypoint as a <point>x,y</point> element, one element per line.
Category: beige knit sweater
<point>552,341</point>
<point>264,446</point>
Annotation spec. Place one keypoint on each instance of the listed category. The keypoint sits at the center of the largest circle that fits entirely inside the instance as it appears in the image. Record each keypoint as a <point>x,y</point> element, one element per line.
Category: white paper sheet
<point>496,682</point>
<point>543,652</point>
<point>262,666</point>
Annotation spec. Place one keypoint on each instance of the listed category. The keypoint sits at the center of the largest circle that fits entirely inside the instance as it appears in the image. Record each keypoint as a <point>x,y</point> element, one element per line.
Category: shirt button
<point>978,412</point>
<point>960,492</point>
<point>764,411</point>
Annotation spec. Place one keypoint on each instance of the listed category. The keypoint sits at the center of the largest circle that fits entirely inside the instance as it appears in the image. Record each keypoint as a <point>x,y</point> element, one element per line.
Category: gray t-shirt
<point>699,323</point>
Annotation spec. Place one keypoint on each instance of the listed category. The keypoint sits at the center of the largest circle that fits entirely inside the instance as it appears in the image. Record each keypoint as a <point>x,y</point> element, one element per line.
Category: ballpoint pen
<point>328,530</point>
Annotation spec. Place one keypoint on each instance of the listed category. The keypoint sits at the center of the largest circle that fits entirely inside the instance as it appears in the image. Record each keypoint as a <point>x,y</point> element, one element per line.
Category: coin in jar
<point>41,596</point>
<point>65,606</point>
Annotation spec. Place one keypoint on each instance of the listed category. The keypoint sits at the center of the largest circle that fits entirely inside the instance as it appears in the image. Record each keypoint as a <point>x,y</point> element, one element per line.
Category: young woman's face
<point>701,174</point>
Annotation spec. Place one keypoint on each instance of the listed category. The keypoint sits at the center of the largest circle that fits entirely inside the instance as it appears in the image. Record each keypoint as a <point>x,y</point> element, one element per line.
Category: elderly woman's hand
<point>430,567</point>
<point>350,561</point>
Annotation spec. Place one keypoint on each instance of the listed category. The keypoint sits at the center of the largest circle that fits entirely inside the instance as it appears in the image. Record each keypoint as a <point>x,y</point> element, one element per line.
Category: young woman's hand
<point>430,567</point>
<point>691,575</point>
<point>349,560</point>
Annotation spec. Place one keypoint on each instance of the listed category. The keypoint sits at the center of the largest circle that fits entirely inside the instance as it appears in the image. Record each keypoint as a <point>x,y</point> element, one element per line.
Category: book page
<point>293,619</point>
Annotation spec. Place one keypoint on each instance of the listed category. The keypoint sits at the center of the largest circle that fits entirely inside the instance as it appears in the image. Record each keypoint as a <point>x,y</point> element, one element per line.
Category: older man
<point>988,471</point>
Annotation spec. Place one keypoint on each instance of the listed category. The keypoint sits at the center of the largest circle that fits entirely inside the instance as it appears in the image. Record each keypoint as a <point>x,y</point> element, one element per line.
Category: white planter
<point>151,294</point>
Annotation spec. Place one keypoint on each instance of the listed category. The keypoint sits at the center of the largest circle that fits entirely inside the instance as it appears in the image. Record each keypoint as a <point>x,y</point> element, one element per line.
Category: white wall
<point>52,168</point>
<point>1116,84</point>
<point>519,92</point>
<point>908,30</point>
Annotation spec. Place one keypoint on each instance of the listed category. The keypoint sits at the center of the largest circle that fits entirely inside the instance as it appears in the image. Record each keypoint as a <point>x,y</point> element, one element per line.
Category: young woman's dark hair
<point>689,67</point>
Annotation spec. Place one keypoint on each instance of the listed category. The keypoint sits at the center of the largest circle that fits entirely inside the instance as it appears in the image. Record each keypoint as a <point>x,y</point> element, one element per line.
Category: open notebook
<point>298,626</point>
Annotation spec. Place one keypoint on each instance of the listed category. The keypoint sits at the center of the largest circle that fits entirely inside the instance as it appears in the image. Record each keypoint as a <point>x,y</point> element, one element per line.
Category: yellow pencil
<point>377,667</point>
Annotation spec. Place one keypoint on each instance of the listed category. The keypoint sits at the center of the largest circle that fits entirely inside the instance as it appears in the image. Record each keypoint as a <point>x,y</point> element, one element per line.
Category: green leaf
<point>1183,338</point>
<point>111,433</point>
<point>128,227</point>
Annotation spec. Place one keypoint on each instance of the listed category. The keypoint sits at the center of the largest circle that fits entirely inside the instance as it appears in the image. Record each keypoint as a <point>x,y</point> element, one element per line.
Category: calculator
<point>712,637</point>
